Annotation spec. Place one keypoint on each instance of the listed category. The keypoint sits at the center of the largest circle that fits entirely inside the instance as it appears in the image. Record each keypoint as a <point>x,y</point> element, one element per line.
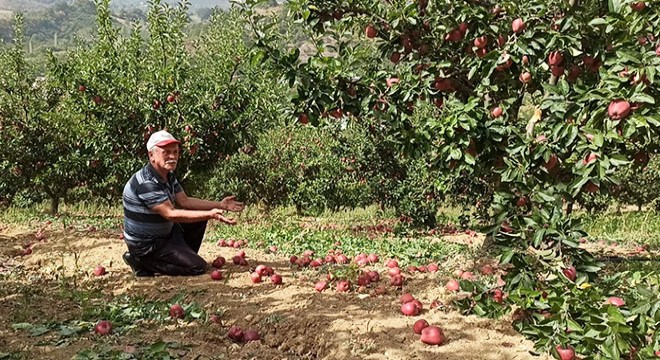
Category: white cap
<point>161,138</point>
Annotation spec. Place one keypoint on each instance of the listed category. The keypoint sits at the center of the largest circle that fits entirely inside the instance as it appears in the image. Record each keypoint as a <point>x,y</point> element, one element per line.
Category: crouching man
<point>161,238</point>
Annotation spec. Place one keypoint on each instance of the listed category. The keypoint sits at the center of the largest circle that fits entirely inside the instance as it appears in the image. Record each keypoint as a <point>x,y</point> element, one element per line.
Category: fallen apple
<point>99,271</point>
<point>276,279</point>
<point>453,285</point>
<point>251,335</point>
<point>177,312</point>
<point>420,325</point>
<point>216,275</point>
<point>255,277</point>
<point>406,298</point>
<point>103,327</point>
<point>432,335</point>
<point>235,333</point>
<point>409,309</point>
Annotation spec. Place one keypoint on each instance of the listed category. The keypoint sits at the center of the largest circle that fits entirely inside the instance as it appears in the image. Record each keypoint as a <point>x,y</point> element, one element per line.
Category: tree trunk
<point>569,208</point>
<point>54,204</point>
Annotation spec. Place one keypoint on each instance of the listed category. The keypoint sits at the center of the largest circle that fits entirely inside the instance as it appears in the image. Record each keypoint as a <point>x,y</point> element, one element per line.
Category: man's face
<point>164,158</point>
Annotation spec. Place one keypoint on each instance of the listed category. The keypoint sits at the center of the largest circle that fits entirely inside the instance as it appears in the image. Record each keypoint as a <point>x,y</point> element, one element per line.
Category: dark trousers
<point>178,254</point>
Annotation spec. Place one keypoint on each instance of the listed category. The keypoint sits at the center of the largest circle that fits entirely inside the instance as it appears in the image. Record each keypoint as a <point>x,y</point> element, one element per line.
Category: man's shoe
<point>134,263</point>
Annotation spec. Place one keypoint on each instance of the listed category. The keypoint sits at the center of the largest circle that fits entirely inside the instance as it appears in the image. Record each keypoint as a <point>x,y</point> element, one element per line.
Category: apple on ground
<point>453,285</point>
<point>103,327</point>
<point>432,335</point>
<point>276,279</point>
<point>177,312</point>
<point>99,271</point>
<point>216,275</point>
<point>420,325</point>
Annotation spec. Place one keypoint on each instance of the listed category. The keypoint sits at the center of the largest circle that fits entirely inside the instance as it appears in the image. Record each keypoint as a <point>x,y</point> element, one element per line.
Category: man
<point>162,238</point>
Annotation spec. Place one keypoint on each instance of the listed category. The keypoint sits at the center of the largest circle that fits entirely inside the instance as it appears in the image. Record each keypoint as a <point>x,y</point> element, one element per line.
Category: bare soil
<point>295,322</point>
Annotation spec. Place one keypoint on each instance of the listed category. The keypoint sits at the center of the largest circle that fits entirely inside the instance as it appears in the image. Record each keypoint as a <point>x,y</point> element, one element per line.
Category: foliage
<point>587,68</point>
<point>86,122</point>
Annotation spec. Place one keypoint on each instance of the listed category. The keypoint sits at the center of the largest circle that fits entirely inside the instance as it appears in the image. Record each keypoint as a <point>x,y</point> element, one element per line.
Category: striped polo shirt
<point>142,225</point>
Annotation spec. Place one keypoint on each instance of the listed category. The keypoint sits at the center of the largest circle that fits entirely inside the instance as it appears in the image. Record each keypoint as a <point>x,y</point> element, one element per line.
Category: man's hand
<point>230,204</point>
<point>217,215</point>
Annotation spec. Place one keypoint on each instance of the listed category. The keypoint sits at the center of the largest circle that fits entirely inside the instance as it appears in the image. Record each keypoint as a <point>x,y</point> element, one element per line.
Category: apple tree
<point>119,88</point>
<point>38,154</point>
<point>543,100</point>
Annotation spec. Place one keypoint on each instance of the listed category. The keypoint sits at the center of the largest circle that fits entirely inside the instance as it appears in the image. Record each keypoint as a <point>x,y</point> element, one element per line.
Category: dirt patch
<point>295,321</point>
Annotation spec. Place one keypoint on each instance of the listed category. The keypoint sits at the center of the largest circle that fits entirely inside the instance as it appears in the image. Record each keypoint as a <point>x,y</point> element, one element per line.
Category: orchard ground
<point>51,300</point>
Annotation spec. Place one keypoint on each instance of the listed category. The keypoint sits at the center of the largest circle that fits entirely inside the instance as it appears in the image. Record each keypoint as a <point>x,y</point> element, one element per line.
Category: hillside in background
<point>31,6</point>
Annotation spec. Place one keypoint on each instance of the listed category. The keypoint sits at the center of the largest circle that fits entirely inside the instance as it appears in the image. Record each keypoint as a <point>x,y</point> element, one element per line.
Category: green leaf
<point>643,98</point>
<point>597,21</point>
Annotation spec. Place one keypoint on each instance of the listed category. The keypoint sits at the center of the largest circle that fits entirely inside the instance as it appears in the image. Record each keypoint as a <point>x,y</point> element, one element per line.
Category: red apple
<point>251,335</point>
<point>496,112</point>
<point>453,285</point>
<point>486,270</point>
<point>82,88</point>
<point>570,273</point>
<point>341,259</point>
<point>370,31</point>
<point>518,25</point>
<point>177,312</point>
<point>618,109</point>
<point>557,70</point>
<point>616,301</point>
<point>235,333</point>
<point>218,262</point>
<point>392,263</point>
<point>525,77</point>
<point>406,298</point>
<point>638,6</point>
<point>432,335</point>
<point>255,277</point>
<point>565,353</point>
<point>320,286</point>
<point>99,271</point>
<point>396,280</point>
<point>395,57</point>
<point>481,42</point>
<point>589,158</point>
<point>498,296</point>
<point>216,275</point>
<point>555,58</point>
<point>103,327</point>
<point>171,98</point>
<point>420,325</point>
<point>343,286</point>
<point>409,309</point>
<point>303,119</point>
<point>276,279</point>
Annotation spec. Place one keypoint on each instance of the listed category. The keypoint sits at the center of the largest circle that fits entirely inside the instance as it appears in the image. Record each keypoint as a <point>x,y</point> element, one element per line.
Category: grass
<point>634,227</point>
